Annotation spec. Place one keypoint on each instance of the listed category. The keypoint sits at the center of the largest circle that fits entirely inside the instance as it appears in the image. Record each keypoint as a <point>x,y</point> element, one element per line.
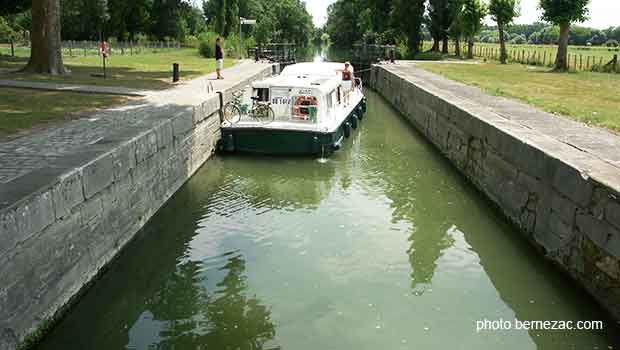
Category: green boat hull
<point>290,142</point>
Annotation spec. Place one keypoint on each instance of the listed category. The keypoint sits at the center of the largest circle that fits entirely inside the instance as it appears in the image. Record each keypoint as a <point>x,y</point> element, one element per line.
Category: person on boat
<point>348,80</point>
<point>219,58</point>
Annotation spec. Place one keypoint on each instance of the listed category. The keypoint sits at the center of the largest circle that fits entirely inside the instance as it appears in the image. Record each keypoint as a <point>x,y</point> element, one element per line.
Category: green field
<point>581,57</point>
<point>592,98</point>
<point>22,109</point>
<point>149,70</point>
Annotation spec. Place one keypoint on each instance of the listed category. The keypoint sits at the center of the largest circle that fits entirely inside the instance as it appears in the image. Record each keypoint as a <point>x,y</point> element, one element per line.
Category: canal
<point>384,246</point>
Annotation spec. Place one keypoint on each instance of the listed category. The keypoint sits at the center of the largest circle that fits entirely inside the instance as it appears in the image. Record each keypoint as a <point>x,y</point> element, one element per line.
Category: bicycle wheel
<point>263,114</point>
<point>231,113</point>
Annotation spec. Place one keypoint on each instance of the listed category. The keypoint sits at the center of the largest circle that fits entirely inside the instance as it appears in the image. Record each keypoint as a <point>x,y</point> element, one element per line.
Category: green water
<point>384,246</point>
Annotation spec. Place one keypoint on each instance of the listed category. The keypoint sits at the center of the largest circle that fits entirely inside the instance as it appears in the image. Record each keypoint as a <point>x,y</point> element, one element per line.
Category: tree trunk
<point>561,60</point>
<point>470,47</point>
<point>45,53</point>
<point>444,48</point>
<point>435,47</point>
<point>502,43</point>
<point>457,47</point>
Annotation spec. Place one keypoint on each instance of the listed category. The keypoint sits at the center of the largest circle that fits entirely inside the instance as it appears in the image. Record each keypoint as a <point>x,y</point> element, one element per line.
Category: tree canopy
<point>277,21</point>
<point>503,11</point>
<point>8,7</point>
<point>563,11</point>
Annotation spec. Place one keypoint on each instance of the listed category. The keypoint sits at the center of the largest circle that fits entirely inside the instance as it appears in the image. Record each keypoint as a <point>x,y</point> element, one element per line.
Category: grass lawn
<point>592,98</point>
<point>22,109</point>
<point>149,70</point>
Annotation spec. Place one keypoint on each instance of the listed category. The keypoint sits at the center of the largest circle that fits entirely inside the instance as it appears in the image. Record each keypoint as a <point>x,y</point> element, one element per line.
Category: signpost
<point>243,21</point>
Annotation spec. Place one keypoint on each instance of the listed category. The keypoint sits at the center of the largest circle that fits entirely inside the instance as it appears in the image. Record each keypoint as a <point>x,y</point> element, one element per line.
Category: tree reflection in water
<point>226,318</point>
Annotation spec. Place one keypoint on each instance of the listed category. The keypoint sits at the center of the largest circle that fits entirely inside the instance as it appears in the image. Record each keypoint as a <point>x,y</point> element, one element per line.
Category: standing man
<point>219,58</point>
<point>348,80</point>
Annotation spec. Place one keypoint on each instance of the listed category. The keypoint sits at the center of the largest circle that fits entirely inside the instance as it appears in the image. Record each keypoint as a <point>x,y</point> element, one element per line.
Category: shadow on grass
<point>83,74</point>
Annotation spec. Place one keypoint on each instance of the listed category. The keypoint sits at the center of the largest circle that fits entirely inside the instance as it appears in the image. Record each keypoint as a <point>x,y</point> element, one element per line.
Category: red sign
<point>105,48</point>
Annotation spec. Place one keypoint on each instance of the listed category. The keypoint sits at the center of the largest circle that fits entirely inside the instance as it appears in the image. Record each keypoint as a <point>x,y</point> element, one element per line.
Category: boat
<point>305,110</point>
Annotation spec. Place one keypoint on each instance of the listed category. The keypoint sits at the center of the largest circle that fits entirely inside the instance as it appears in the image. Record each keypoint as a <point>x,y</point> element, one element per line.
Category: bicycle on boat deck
<point>260,111</point>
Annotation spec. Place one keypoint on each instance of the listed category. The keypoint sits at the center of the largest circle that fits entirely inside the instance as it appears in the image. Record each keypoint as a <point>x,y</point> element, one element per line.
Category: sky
<point>603,13</point>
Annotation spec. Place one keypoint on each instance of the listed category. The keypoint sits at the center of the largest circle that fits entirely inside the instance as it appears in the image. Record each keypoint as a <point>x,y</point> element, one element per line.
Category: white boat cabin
<point>309,96</point>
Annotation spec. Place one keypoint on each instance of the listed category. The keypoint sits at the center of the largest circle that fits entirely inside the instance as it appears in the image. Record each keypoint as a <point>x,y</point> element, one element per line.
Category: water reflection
<point>267,183</point>
<point>454,229</point>
<point>226,318</point>
<point>166,300</point>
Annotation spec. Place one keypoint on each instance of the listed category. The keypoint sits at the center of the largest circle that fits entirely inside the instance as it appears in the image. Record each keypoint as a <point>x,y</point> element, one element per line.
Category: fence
<point>274,52</point>
<point>597,59</point>
<point>577,62</point>
<point>85,48</point>
<point>88,48</point>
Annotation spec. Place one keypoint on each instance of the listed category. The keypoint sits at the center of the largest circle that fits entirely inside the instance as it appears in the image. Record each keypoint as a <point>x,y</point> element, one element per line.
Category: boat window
<point>261,94</point>
<point>305,108</point>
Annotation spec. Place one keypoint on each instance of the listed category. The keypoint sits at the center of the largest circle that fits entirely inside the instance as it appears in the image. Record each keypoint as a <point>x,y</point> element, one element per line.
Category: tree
<point>215,11</point>
<point>441,14</point>
<point>473,13</point>
<point>232,17</point>
<point>563,13</point>
<point>437,13</point>
<point>411,18</point>
<point>456,27</point>
<point>503,12</point>
<point>8,7</point>
<point>45,53</point>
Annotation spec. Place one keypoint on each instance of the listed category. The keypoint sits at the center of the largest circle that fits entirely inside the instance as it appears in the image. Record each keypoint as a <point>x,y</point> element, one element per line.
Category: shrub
<point>207,44</point>
<point>191,41</point>
<point>428,56</point>
<point>140,38</point>
<point>612,43</point>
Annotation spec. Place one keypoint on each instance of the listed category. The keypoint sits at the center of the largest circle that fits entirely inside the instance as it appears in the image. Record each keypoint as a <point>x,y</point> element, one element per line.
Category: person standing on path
<point>219,58</point>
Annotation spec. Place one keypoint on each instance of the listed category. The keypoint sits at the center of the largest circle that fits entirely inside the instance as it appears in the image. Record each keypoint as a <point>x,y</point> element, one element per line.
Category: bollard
<point>175,72</point>
<point>256,57</point>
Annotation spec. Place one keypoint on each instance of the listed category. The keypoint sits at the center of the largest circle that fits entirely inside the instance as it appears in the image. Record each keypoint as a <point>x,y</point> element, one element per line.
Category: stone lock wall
<point>55,241</point>
<point>571,215</point>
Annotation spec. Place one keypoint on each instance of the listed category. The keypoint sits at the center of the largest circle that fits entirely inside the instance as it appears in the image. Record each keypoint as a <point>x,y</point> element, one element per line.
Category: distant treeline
<point>178,20</point>
<point>387,21</point>
<point>543,33</point>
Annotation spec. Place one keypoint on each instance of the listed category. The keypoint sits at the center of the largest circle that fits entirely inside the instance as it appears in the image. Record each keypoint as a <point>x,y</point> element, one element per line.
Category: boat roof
<point>327,69</point>
<point>322,76</point>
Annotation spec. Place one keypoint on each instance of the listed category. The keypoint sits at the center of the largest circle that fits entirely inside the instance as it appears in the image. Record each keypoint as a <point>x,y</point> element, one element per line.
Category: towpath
<point>33,161</point>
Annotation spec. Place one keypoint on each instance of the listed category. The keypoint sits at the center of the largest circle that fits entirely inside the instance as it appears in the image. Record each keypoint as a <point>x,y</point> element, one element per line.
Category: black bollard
<point>256,58</point>
<point>175,72</point>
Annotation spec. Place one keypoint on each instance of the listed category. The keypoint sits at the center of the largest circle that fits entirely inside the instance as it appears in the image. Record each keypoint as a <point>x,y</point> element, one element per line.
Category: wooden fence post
<point>545,59</point>
<point>588,63</point>
<point>575,62</point>
<point>580,61</point>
